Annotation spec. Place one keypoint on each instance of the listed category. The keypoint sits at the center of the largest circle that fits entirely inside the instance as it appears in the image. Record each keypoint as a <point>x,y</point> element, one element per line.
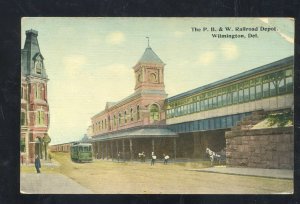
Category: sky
<point>89,60</point>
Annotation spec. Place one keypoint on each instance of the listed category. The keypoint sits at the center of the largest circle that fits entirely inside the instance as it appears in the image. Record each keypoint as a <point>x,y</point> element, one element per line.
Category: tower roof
<point>30,54</point>
<point>31,42</point>
<point>149,56</point>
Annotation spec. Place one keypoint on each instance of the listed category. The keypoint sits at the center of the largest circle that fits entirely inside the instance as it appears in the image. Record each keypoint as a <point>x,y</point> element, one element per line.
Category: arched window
<point>138,112</point>
<point>115,121</point>
<point>38,66</point>
<point>120,119</point>
<point>131,114</point>
<point>37,91</point>
<point>105,123</point>
<point>154,112</point>
<point>125,117</point>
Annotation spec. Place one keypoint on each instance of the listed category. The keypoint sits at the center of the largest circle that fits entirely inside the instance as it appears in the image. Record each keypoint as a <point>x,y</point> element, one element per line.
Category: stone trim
<point>259,132</point>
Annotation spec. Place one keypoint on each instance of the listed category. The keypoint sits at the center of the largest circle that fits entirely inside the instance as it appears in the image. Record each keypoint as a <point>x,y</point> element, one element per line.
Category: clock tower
<point>149,72</point>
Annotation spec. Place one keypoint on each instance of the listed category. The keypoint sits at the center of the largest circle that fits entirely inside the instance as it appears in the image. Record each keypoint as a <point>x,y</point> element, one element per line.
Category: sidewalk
<point>52,163</point>
<point>50,184</point>
<point>268,173</point>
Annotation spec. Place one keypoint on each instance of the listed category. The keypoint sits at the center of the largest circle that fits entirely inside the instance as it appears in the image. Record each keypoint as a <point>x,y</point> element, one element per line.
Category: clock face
<point>153,77</point>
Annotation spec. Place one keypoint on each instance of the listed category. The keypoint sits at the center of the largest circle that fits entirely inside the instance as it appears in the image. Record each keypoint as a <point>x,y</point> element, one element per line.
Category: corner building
<point>136,123</point>
<point>34,103</point>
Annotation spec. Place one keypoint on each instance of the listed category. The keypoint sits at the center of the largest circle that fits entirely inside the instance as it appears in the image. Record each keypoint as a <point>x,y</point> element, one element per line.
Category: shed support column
<point>123,144</point>
<point>153,148</point>
<point>106,150</point>
<point>98,149</point>
<point>117,143</point>
<point>175,148</point>
<point>130,146</point>
<point>111,150</point>
<point>102,150</point>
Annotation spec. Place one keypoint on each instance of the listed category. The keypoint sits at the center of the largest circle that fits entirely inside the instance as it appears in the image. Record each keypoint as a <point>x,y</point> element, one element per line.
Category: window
<point>131,114</point>
<point>138,112</point>
<point>241,96</point>
<point>235,119</point>
<point>234,97</point>
<point>125,117</point>
<point>22,144</point>
<point>281,86</point>
<point>224,99</point>
<point>185,109</point>
<point>40,116</point>
<point>198,106</point>
<point>215,103</point>
<point>217,123</point>
<point>289,80</point>
<point>272,88</point>
<point>289,84</point>
<point>258,91</point>
<point>223,122</point>
<point>220,101</point>
<point>154,112</point>
<point>210,103</point>
<point>23,118</point>
<point>265,90</point>
<point>211,124</point>
<point>246,94</point>
<point>22,89</point>
<point>229,98</point>
<point>205,124</point>
<point>120,119</point>
<point>200,124</point>
<point>252,93</point>
<point>38,66</point>
<point>202,105</point>
<point>105,123</point>
<point>115,121</point>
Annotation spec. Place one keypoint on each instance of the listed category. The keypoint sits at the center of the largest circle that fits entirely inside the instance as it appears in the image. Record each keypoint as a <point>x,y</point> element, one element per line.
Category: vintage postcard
<point>157,106</point>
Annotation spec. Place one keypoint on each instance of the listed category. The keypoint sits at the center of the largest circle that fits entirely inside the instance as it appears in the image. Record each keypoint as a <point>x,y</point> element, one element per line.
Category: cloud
<point>206,58</point>
<point>115,38</point>
<point>229,50</point>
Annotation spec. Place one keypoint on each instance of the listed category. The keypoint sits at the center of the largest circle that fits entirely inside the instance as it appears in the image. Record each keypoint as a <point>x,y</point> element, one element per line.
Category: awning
<point>136,133</point>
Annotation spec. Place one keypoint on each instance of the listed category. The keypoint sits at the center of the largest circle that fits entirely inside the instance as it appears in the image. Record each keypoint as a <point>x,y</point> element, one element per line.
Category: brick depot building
<point>136,123</point>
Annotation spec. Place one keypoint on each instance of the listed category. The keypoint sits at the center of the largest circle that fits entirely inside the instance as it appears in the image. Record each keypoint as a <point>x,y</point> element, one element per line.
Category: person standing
<point>119,154</point>
<point>166,159</point>
<point>153,158</point>
<point>37,164</point>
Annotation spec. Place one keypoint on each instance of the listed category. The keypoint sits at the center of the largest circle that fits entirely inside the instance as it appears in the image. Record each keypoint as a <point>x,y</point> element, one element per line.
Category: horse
<point>214,156</point>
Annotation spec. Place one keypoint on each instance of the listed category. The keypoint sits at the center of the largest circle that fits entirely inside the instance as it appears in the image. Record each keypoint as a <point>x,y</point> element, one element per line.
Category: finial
<point>148,41</point>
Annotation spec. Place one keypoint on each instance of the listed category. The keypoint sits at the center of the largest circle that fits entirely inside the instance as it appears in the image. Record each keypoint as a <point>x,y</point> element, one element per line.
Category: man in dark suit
<point>37,164</point>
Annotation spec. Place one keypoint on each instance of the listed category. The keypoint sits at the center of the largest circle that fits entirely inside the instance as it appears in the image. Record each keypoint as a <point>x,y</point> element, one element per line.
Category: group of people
<point>153,159</point>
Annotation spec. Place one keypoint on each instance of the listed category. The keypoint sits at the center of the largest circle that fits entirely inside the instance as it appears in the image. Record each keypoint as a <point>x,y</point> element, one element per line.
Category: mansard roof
<point>29,54</point>
<point>149,56</point>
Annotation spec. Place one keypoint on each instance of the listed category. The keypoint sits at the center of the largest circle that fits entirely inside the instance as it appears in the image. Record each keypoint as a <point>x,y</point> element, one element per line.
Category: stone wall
<point>261,148</point>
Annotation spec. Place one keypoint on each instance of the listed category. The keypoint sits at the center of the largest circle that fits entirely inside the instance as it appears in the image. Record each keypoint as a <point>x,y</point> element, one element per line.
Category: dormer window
<point>38,67</point>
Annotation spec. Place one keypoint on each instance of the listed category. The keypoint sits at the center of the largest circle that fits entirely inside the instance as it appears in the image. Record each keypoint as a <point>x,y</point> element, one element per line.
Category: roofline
<point>130,129</point>
<point>248,73</point>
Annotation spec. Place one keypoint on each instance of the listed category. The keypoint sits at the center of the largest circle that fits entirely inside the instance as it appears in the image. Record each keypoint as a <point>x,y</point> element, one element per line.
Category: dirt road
<point>106,177</point>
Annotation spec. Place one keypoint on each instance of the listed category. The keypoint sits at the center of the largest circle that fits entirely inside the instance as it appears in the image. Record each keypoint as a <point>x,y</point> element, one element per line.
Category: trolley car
<point>81,152</point>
